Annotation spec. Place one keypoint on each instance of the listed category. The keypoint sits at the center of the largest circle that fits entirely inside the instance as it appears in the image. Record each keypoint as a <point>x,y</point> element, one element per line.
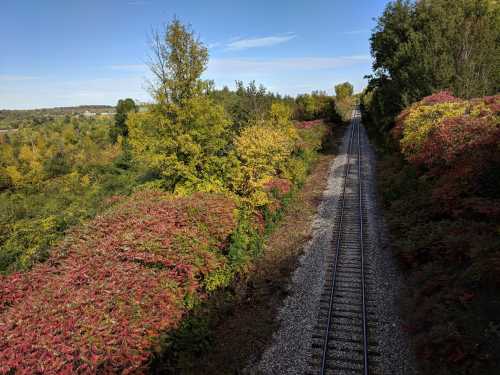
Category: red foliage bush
<point>442,205</point>
<point>308,124</point>
<point>280,185</point>
<point>457,140</point>
<point>493,102</point>
<point>102,300</point>
<point>459,151</point>
<point>439,97</point>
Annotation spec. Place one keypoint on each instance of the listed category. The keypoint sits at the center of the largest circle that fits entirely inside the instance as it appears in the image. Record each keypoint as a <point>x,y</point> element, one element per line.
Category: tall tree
<point>177,60</point>
<point>183,137</point>
<point>429,45</point>
<point>343,90</point>
<point>123,108</point>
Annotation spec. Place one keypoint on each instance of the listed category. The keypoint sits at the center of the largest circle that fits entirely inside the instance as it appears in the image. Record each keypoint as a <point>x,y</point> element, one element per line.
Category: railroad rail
<point>343,337</point>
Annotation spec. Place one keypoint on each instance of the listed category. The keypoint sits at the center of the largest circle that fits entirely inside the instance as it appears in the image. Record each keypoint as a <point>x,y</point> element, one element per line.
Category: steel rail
<point>361,242</point>
<point>338,245</point>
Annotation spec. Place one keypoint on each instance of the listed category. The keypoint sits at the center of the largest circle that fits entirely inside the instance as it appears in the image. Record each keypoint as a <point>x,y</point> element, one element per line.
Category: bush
<point>102,300</point>
<point>456,142</point>
<point>112,290</point>
<point>265,151</point>
<point>442,205</point>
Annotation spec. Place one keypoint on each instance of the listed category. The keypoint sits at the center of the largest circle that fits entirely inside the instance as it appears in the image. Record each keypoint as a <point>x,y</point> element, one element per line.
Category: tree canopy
<point>178,59</point>
<point>426,46</point>
<point>343,90</point>
<point>123,107</point>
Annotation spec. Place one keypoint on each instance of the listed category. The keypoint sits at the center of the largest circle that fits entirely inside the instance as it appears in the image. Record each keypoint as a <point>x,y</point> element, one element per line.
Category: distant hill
<point>10,119</point>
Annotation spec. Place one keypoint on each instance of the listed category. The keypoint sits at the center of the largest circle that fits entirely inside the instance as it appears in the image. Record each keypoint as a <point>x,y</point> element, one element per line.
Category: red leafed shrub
<point>308,124</point>
<point>443,205</point>
<point>493,103</point>
<point>457,137</point>
<point>100,303</point>
<point>439,97</point>
<point>461,152</point>
<point>280,185</point>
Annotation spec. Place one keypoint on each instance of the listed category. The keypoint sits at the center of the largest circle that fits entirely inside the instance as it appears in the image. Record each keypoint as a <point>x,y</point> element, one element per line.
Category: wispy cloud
<point>355,32</point>
<point>13,78</point>
<point>214,45</point>
<point>129,67</point>
<point>138,2</point>
<point>267,41</point>
<point>279,65</point>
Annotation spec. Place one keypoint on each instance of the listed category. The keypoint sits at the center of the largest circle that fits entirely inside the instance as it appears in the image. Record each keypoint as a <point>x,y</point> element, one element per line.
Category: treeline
<point>13,119</point>
<point>433,105</point>
<point>430,45</point>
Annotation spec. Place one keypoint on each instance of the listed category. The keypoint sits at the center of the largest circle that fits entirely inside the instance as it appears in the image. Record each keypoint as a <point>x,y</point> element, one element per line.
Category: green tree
<point>178,59</point>
<point>183,138</point>
<point>461,40</point>
<point>123,108</point>
<point>430,45</point>
<point>343,90</point>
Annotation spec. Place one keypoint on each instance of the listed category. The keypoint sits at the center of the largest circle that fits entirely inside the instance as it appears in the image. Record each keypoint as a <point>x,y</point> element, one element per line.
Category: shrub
<point>443,206</point>
<point>456,142</point>
<point>106,294</point>
<point>265,150</point>
<point>421,120</point>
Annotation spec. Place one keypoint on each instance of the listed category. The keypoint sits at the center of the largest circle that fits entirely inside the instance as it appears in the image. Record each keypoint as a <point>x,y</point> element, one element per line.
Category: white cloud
<point>284,64</point>
<point>355,32</point>
<point>138,2</point>
<point>13,77</point>
<point>129,67</point>
<point>268,41</point>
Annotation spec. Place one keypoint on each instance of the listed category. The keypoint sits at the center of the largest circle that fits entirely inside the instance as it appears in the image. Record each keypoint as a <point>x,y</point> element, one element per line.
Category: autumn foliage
<point>443,206</point>
<point>186,190</point>
<point>114,287</point>
<point>457,143</point>
<point>110,289</point>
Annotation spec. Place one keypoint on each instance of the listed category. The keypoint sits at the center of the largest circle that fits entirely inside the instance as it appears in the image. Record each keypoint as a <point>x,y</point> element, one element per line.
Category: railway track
<point>343,337</point>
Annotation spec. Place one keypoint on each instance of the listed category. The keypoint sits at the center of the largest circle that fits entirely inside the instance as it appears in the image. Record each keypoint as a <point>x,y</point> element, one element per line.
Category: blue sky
<point>73,52</point>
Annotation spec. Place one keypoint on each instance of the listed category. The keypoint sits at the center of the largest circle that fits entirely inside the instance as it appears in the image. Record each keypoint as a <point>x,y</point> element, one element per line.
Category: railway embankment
<point>328,323</point>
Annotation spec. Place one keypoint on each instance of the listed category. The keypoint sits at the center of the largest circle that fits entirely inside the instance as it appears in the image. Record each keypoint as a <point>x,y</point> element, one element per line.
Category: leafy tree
<point>184,147</point>
<point>183,138</point>
<point>265,150</point>
<point>314,106</point>
<point>177,61</point>
<point>343,90</point>
<point>426,46</point>
<point>123,108</point>
<point>52,177</point>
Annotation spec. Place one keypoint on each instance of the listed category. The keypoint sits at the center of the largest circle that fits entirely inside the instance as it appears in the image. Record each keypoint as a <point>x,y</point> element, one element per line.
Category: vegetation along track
<point>342,339</point>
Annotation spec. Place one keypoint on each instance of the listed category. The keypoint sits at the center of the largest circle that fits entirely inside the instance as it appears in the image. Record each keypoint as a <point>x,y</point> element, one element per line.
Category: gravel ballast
<point>291,349</point>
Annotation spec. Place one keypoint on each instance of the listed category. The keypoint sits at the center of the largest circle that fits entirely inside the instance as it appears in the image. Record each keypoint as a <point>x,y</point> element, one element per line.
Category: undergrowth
<point>443,221</point>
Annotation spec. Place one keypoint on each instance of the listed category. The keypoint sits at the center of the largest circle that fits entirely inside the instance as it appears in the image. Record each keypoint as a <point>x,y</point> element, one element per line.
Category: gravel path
<point>290,352</point>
